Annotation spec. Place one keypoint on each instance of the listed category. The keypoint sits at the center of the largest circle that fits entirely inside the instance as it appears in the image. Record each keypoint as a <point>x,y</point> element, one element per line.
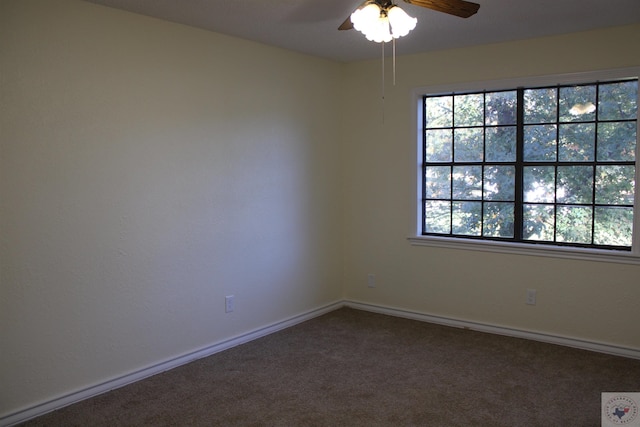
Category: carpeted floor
<point>354,368</point>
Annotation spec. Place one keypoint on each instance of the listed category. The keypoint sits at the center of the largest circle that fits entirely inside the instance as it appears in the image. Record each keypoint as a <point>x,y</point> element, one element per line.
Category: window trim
<point>415,236</point>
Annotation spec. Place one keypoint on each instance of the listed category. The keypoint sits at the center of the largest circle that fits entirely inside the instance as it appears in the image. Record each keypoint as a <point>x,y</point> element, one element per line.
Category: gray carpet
<point>354,368</point>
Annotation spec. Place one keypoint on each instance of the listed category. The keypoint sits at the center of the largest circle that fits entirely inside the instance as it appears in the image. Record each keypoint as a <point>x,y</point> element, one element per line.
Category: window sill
<point>622,257</point>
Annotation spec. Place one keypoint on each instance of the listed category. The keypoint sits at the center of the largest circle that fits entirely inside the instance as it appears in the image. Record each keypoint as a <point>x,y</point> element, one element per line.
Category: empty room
<point>235,213</point>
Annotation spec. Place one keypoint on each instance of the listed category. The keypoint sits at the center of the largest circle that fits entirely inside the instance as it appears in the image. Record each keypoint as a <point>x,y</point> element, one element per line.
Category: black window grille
<point>545,165</point>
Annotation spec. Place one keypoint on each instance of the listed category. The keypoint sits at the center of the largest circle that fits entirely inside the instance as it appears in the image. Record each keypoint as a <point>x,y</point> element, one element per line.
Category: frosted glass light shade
<point>382,25</point>
<point>363,19</point>
<point>401,23</point>
<point>380,31</point>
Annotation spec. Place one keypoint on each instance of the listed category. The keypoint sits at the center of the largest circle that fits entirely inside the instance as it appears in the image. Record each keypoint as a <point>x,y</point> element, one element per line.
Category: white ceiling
<point>310,26</point>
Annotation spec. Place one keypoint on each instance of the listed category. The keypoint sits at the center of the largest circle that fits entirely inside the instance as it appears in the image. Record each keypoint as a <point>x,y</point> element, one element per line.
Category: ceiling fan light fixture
<point>365,17</point>
<point>379,31</point>
<point>401,23</point>
<point>382,24</point>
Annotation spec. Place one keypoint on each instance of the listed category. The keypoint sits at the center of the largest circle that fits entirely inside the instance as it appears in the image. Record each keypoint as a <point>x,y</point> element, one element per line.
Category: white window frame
<point>415,234</point>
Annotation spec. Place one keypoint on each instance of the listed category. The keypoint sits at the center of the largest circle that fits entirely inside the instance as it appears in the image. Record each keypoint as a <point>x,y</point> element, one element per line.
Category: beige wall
<point>147,170</point>
<point>593,301</point>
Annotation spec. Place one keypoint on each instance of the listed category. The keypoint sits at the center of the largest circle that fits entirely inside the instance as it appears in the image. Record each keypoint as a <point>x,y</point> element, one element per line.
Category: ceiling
<point>310,26</point>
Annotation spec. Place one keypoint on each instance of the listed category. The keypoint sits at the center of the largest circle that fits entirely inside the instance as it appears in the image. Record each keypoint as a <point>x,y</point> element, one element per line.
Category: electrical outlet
<point>228,303</point>
<point>531,297</point>
<point>371,280</point>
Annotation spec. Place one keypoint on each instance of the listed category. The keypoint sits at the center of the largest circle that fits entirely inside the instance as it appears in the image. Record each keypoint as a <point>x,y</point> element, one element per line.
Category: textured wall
<point>147,170</point>
<point>594,301</point>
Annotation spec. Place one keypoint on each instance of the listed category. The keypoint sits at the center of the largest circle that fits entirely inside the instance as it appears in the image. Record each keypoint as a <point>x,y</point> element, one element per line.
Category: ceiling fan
<point>382,21</point>
<point>461,8</point>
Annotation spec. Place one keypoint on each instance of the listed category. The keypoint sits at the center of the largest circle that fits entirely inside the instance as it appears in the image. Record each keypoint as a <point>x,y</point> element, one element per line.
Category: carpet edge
<point>598,347</point>
<point>67,399</point>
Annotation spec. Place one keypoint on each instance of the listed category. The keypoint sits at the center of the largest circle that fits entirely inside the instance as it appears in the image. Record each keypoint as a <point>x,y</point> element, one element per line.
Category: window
<point>545,165</point>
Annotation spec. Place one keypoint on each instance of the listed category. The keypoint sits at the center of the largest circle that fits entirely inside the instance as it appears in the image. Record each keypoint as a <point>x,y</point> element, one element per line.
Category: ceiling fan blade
<point>461,8</point>
<point>347,24</point>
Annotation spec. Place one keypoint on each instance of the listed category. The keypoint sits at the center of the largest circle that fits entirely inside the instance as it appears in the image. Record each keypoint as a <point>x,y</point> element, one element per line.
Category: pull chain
<point>383,93</point>
<point>394,61</point>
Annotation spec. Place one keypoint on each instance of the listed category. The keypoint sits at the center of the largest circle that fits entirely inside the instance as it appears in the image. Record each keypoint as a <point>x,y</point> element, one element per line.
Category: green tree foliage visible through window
<point>551,165</point>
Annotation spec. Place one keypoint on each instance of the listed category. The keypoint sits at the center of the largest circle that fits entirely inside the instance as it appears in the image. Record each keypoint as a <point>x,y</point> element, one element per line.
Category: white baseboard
<point>74,397</point>
<point>68,399</point>
<point>499,330</point>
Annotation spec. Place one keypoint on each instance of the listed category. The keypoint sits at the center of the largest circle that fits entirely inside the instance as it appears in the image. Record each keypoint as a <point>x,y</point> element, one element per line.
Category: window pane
<point>437,217</point>
<point>439,112</point>
<point>577,142</point>
<point>540,105</point>
<point>618,101</point>
<point>499,183</point>
<point>540,143</point>
<point>574,224</point>
<point>575,184</point>
<point>501,108</point>
<point>498,219</point>
<point>613,226</point>
<point>558,167</point>
<point>538,222</point>
<point>466,218</point>
<point>438,182</point>
<point>468,145</point>
<point>500,144</point>
<point>615,185</point>
<point>617,141</point>
<point>577,104</point>
<point>467,182</point>
<point>469,110</point>
<point>438,145</point>
<point>539,184</point>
